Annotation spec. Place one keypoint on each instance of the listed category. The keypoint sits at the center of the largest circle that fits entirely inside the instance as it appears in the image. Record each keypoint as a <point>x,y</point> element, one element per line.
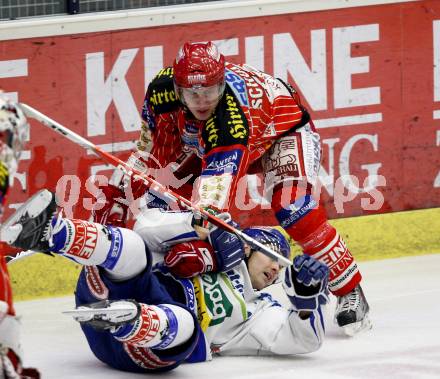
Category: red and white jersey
<point>254,111</point>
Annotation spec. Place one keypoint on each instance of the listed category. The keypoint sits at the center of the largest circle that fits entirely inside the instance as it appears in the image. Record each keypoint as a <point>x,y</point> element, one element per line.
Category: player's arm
<point>295,330</point>
<point>287,112</point>
<point>226,158</point>
<point>221,252</point>
<point>157,146</point>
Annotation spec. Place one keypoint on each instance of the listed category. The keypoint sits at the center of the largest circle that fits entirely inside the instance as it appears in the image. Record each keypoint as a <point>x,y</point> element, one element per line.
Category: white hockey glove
<point>305,283</point>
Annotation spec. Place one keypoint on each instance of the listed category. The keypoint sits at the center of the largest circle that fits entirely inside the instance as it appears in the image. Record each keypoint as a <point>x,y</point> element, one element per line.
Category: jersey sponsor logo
<point>84,239</point>
<point>160,94</point>
<point>283,159</point>
<point>254,86</point>
<point>213,306</point>
<point>236,122</point>
<point>212,131</point>
<point>238,86</point>
<point>223,162</point>
<point>214,190</point>
<point>217,302</point>
<point>189,294</point>
<point>162,97</point>
<point>296,211</point>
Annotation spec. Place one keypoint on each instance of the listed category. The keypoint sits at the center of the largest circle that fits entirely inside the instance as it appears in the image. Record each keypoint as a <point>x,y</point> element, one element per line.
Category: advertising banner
<point>370,77</point>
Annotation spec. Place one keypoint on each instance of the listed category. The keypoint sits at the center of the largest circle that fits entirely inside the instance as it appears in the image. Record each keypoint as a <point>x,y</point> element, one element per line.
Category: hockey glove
<point>111,207</point>
<point>305,283</point>
<point>189,259</point>
<point>229,249</point>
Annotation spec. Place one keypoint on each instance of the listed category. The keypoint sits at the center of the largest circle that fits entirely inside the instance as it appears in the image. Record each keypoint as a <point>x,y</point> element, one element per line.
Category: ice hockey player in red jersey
<point>218,121</point>
<point>13,126</point>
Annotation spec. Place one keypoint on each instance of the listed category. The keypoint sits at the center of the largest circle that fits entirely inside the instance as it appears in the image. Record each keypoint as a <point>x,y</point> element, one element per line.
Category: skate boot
<point>30,226</point>
<point>352,312</point>
<point>106,314</point>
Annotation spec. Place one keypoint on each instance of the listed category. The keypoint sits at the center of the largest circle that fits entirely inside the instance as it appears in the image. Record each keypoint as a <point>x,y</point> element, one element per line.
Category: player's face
<point>263,270</point>
<point>202,101</point>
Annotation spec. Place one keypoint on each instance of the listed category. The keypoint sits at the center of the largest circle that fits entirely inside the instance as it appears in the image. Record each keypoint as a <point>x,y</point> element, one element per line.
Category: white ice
<point>404,295</point>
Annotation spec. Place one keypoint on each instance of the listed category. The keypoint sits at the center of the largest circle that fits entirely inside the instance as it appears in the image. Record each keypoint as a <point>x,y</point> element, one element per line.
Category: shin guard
<point>121,252</point>
<point>305,221</point>
<point>158,326</point>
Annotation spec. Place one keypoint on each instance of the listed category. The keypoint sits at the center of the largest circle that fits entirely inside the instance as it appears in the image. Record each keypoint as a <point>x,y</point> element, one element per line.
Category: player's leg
<point>292,165</point>
<point>159,335</point>
<point>133,335</point>
<point>119,251</point>
<point>9,327</point>
<point>10,350</point>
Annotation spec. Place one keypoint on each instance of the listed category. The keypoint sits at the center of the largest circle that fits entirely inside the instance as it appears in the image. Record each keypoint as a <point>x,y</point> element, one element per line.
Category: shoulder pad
<point>160,95</point>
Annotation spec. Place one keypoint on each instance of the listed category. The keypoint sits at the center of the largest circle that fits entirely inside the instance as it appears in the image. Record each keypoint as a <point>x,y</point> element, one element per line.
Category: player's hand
<point>189,259</point>
<point>111,208</point>
<point>229,249</point>
<point>305,283</point>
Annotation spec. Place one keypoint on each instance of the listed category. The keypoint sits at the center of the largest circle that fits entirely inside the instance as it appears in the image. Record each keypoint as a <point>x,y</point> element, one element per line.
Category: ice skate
<point>352,312</point>
<point>106,314</point>
<point>29,227</point>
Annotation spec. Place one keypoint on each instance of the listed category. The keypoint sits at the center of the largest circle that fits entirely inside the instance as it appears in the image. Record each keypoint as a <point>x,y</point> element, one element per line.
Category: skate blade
<point>357,327</point>
<point>87,314</point>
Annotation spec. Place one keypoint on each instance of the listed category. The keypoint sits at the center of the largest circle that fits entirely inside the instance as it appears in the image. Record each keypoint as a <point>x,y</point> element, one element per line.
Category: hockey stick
<point>153,184</point>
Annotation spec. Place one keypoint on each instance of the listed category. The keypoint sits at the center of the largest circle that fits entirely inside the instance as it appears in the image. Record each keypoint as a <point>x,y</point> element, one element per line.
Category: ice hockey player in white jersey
<point>13,126</point>
<point>141,318</point>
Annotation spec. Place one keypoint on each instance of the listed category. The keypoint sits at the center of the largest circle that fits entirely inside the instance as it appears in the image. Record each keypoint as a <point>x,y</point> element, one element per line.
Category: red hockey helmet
<point>199,65</point>
<point>199,74</point>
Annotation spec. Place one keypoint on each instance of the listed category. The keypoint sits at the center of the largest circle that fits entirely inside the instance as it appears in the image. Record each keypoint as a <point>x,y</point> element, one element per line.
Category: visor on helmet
<point>270,237</point>
<point>197,95</point>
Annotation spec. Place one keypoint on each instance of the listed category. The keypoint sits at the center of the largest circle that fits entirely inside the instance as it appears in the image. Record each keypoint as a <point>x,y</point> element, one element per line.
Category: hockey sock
<point>158,326</point>
<point>121,252</point>
<point>305,221</point>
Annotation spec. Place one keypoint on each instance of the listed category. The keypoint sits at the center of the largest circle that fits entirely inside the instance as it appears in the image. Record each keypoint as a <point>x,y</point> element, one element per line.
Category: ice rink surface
<point>404,296</point>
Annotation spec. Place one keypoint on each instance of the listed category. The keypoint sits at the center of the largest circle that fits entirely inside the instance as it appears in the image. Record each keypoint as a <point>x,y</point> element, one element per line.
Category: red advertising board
<point>369,75</point>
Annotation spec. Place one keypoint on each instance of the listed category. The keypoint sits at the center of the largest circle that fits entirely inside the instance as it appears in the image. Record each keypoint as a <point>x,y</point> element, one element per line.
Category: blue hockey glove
<point>229,249</point>
<point>305,283</point>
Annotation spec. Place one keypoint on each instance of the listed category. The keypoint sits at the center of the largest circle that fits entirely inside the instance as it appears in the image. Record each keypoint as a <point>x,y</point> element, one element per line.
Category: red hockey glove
<point>189,259</point>
<point>114,210</point>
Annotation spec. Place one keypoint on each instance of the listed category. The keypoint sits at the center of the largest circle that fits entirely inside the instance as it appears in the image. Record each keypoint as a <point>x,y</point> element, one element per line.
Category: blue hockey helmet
<point>270,237</point>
